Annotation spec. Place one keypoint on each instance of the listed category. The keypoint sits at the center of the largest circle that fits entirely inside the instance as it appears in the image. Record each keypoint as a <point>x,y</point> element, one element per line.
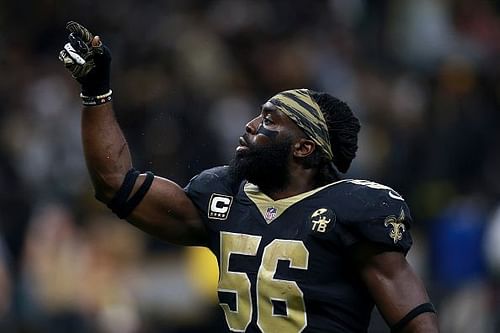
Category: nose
<point>251,126</point>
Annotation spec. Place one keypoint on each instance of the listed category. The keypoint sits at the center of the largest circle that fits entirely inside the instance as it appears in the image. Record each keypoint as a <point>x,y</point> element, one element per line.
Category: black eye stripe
<point>267,132</point>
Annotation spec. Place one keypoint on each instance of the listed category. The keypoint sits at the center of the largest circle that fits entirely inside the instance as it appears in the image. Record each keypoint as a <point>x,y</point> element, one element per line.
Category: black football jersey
<point>285,265</point>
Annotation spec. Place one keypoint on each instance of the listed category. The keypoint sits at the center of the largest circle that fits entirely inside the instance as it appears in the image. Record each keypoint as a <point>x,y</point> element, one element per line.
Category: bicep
<point>167,212</point>
<point>394,286</point>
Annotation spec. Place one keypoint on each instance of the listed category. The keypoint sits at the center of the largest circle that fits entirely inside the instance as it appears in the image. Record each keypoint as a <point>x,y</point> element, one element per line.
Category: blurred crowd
<point>422,75</point>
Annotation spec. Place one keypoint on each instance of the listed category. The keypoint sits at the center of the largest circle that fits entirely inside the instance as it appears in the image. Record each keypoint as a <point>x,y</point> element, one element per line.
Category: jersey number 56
<point>268,289</point>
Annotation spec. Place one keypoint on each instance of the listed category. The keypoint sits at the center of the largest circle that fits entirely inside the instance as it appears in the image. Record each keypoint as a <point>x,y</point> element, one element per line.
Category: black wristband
<point>422,308</point>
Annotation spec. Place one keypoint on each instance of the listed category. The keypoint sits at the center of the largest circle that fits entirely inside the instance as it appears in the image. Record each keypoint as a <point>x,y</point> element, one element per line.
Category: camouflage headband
<point>299,106</point>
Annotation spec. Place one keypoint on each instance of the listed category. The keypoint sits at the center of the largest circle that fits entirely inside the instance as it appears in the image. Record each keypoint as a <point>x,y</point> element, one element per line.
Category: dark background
<point>422,75</point>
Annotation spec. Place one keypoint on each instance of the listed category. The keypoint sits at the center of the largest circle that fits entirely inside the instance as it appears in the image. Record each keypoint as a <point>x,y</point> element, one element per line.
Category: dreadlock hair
<point>343,129</point>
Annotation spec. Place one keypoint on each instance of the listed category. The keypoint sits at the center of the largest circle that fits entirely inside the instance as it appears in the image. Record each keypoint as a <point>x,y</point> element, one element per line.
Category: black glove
<point>88,60</point>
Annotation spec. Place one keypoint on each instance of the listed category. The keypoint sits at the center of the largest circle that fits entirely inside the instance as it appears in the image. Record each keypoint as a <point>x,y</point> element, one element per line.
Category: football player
<point>299,249</point>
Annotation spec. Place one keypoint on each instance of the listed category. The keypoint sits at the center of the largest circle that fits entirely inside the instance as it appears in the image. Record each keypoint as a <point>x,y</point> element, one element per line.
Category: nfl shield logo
<point>270,214</point>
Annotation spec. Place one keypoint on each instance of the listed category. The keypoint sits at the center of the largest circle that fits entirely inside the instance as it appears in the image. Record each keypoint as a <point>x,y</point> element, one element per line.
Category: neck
<point>301,180</point>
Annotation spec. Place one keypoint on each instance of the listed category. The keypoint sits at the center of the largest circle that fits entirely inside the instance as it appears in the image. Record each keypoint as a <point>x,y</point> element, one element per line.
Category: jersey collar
<point>272,209</point>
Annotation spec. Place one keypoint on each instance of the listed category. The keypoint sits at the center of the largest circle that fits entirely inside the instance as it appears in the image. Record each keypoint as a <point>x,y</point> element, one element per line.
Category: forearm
<point>154,204</point>
<point>106,151</point>
<point>105,148</point>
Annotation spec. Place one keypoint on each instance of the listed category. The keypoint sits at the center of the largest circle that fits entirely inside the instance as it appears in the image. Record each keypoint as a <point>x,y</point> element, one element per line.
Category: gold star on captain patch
<point>398,227</point>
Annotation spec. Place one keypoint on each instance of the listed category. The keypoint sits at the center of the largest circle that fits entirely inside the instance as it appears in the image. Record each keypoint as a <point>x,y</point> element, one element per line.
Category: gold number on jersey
<point>268,288</point>
<point>236,282</point>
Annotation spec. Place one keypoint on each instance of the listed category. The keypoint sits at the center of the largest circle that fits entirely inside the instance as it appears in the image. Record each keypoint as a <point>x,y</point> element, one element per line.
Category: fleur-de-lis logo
<point>398,227</point>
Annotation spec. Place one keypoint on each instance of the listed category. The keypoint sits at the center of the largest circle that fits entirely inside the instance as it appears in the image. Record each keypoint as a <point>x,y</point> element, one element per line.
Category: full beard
<point>266,165</point>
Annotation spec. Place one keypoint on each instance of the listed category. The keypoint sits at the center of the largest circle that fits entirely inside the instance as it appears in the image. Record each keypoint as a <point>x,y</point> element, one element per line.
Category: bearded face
<point>265,164</point>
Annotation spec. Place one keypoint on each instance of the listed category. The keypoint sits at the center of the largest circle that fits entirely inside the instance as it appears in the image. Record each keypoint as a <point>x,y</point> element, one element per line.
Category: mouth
<point>243,145</point>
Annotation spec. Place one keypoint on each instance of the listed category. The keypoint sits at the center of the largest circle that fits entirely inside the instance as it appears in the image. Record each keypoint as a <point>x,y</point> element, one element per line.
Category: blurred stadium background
<point>423,76</point>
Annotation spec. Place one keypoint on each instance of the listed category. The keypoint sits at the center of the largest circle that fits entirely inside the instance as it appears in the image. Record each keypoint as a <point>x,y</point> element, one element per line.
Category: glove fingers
<point>65,58</point>
<point>71,52</point>
<point>80,31</point>
<point>81,71</point>
<point>88,60</point>
<point>76,68</point>
<point>78,44</point>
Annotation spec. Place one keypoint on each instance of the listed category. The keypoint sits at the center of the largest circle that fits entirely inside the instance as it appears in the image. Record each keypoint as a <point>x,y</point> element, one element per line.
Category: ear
<point>303,148</point>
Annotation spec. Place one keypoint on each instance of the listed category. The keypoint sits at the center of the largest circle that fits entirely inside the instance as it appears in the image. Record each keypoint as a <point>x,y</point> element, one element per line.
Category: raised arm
<point>399,294</point>
<point>165,211</point>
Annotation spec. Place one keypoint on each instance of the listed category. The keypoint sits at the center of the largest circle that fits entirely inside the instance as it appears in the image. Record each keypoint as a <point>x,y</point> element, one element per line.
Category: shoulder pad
<point>376,213</point>
<point>210,175</point>
<point>211,180</point>
<point>373,187</point>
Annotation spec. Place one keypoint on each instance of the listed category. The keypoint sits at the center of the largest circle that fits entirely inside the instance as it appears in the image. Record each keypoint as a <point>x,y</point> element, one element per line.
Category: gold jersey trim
<point>264,202</point>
